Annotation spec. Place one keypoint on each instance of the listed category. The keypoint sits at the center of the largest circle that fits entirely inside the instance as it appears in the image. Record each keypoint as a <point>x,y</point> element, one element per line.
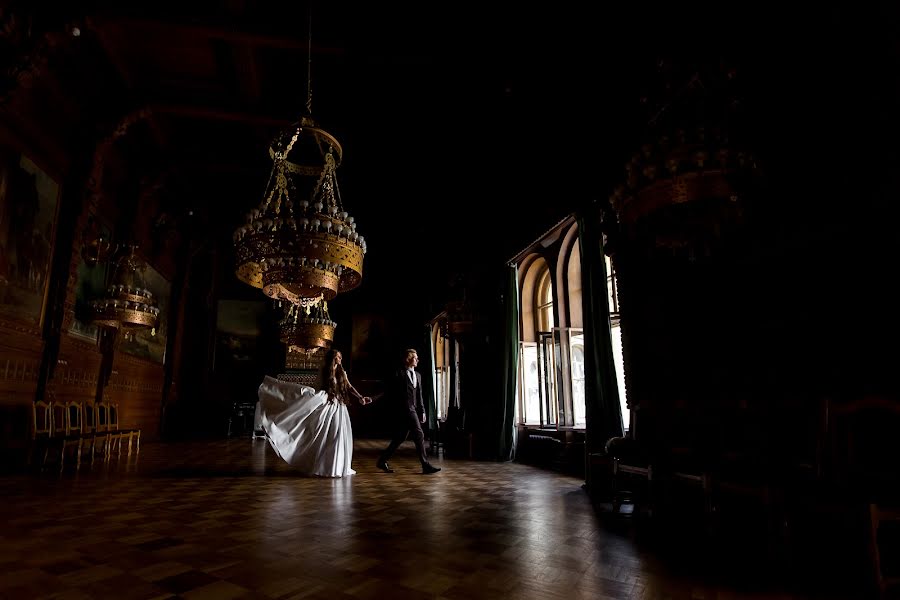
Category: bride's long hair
<point>334,378</point>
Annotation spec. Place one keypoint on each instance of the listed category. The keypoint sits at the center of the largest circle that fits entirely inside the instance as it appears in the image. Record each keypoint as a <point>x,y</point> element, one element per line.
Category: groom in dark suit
<point>404,393</point>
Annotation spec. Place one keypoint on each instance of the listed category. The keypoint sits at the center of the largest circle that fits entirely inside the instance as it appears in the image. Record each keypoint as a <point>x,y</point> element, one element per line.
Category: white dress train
<point>305,429</point>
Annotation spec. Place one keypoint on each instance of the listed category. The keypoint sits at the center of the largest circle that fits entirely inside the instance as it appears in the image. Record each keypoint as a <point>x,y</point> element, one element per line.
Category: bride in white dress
<point>311,429</point>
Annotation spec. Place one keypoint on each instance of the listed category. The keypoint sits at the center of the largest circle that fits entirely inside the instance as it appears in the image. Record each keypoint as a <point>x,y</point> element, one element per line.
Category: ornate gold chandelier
<point>127,305</point>
<point>300,245</point>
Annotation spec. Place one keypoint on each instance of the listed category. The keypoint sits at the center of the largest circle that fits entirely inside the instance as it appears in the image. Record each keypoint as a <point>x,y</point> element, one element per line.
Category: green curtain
<point>428,380</point>
<point>602,410</point>
<point>510,364</point>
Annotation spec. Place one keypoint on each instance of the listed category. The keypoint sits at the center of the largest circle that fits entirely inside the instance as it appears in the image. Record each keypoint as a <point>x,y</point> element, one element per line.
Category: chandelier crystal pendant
<point>128,305</point>
<point>300,243</point>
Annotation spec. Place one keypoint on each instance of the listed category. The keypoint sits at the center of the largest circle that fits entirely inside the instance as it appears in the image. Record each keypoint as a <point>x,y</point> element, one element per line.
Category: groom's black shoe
<point>382,464</point>
<point>428,469</point>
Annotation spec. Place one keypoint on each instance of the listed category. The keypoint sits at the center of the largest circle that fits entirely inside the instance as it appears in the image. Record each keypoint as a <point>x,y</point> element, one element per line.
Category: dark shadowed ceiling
<point>468,128</point>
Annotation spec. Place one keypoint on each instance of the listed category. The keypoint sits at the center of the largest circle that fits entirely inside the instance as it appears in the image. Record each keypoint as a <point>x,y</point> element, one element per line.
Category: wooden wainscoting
<point>136,386</point>
<point>77,368</point>
<point>21,349</point>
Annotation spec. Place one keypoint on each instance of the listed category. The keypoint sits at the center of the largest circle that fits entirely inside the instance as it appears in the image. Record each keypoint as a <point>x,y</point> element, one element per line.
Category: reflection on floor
<point>228,519</point>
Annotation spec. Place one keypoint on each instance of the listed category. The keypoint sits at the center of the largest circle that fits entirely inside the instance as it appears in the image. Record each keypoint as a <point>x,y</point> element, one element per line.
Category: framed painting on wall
<point>238,329</point>
<point>29,202</point>
<point>147,343</point>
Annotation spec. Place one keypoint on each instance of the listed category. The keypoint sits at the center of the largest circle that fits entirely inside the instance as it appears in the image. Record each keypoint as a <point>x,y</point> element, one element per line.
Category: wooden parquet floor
<point>228,519</point>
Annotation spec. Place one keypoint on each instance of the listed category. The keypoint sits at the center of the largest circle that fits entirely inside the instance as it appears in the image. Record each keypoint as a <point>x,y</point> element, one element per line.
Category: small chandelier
<point>127,305</point>
<point>307,328</point>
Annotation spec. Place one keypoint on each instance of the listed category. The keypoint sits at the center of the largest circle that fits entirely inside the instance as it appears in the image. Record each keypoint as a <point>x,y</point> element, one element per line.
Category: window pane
<point>439,392</point>
<point>546,318</point>
<point>545,303</point>
<point>443,385</point>
<point>548,380</point>
<point>530,395</point>
<point>577,354</point>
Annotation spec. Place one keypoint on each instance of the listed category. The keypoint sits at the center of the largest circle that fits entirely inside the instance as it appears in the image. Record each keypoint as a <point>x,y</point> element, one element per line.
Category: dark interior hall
<point>644,251</point>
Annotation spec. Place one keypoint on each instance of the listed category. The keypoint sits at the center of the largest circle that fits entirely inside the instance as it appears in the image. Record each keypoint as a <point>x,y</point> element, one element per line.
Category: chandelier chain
<point>309,64</point>
<point>325,185</point>
<point>337,195</point>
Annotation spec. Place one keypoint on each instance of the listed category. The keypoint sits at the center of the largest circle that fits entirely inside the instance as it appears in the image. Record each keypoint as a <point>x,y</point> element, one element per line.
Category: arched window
<point>536,293</point>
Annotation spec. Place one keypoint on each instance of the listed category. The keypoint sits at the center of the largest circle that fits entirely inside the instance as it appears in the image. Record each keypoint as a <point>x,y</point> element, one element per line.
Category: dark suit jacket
<point>404,397</point>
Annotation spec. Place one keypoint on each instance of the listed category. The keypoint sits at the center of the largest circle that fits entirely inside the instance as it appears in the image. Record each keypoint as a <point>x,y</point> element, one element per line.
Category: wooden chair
<point>58,418</point>
<point>887,576</point>
<point>89,432</point>
<point>103,429</point>
<point>105,425</point>
<point>632,475</point>
<point>74,433</point>
<point>631,484</point>
<point>41,429</point>
<point>133,434</point>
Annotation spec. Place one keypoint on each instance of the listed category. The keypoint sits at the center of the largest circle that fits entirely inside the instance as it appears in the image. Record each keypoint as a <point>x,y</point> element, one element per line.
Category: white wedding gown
<point>305,429</point>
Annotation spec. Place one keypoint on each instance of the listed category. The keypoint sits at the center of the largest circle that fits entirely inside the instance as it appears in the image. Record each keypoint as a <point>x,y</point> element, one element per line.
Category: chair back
<point>102,411</point>
<point>58,419</point>
<point>113,414</point>
<point>74,417</point>
<point>89,418</point>
<point>42,419</point>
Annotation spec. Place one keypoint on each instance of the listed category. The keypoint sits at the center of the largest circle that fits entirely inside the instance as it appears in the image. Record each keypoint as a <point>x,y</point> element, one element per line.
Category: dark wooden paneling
<point>75,375</point>
<point>20,359</point>
<point>136,385</point>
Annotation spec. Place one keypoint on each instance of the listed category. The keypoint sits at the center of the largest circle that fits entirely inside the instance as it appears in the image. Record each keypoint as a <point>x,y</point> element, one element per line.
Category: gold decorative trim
<point>688,187</point>
<point>304,282</point>
<point>319,134</point>
<point>343,255</point>
<point>304,336</point>
<point>119,317</point>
